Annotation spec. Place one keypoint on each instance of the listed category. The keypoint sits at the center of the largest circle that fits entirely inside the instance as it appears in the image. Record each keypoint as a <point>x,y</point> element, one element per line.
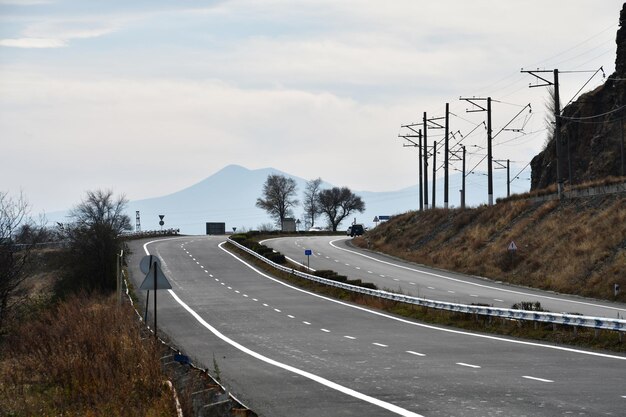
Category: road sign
<point>155,279</point>
<point>146,261</point>
<point>384,217</point>
<point>512,247</point>
<point>308,253</point>
<point>161,216</point>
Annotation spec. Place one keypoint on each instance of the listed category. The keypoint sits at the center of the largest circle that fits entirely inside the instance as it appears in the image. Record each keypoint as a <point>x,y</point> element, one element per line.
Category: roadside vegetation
<point>575,246</point>
<point>84,356</point>
<point>544,332</point>
<point>66,347</point>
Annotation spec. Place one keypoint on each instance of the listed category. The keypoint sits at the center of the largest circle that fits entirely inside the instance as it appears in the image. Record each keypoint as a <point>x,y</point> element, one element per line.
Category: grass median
<point>544,332</point>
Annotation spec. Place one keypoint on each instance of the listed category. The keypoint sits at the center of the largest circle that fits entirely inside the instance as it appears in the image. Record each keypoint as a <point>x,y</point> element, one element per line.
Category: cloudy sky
<point>147,97</point>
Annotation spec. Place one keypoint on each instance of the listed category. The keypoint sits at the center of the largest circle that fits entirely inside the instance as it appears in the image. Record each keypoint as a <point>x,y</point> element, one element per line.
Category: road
<point>286,352</point>
<point>334,252</point>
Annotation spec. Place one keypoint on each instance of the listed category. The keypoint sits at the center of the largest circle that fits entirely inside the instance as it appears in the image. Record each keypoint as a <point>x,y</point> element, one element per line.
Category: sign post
<point>308,253</point>
<point>155,280</point>
<point>161,222</point>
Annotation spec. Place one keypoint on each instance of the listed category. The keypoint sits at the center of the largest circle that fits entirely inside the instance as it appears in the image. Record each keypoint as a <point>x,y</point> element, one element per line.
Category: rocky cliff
<point>591,130</point>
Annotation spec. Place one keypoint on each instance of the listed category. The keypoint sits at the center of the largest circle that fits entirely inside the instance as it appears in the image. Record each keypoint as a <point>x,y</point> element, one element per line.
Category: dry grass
<point>84,357</point>
<point>575,246</point>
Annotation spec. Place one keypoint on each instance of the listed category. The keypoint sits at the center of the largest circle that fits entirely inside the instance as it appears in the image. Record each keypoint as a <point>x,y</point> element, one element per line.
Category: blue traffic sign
<point>308,252</point>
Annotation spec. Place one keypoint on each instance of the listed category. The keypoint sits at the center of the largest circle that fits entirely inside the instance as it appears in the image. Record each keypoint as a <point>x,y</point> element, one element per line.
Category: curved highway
<point>334,252</point>
<point>286,352</point>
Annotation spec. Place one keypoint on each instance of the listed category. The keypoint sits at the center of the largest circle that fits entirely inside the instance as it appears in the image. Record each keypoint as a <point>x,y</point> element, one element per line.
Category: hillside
<point>575,246</point>
<point>592,131</point>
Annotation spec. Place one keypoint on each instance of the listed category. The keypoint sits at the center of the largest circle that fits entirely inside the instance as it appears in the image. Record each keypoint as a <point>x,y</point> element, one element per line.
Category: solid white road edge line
<point>547,297</point>
<point>427,326</point>
<point>330,384</point>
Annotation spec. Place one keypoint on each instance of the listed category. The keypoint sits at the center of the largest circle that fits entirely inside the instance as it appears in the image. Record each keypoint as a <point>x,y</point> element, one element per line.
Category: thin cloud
<point>37,43</point>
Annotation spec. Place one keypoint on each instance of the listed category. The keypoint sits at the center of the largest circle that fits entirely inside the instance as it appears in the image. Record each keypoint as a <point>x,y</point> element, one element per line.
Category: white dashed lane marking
<point>379,344</point>
<point>536,379</point>
<point>325,330</point>
<point>350,337</point>
<point>468,365</point>
<point>415,353</point>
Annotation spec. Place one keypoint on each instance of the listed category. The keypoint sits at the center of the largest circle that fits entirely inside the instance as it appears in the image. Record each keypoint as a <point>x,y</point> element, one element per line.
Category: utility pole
<point>463,184</point>
<point>434,170</point>
<point>500,165</point>
<point>557,133</point>
<point>137,222</point>
<point>445,158</point>
<point>489,154</point>
<point>508,178</point>
<point>421,188</point>
<point>433,125</point>
<point>417,145</point>
<point>557,121</point>
<point>480,108</point>
<point>425,152</point>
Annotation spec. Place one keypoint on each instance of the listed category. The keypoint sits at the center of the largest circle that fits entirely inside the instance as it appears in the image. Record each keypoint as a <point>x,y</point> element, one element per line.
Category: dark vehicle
<point>356,230</point>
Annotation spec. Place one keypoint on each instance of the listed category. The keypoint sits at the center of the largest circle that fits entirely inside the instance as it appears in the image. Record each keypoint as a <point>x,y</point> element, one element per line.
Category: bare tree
<point>549,118</point>
<point>95,240</point>
<point>337,204</point>
<point>278,197</point>
<point>14,257</point>
<point>310,201</point>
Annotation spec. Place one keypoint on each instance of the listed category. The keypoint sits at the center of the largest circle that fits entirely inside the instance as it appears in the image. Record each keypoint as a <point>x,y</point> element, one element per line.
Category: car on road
<point>316,229</point>
<point>355,230</point>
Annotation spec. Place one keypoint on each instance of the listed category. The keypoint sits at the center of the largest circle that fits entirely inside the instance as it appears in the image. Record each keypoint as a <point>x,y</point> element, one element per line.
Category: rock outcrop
<point>591,131</point>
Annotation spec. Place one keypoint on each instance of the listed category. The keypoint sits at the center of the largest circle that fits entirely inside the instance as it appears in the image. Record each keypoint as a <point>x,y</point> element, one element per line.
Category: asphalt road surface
<point>286,352</point>
<point>334,252</point>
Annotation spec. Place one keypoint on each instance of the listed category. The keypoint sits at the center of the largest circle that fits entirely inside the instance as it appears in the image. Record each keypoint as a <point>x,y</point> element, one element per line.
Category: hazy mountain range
<point>230,195</point>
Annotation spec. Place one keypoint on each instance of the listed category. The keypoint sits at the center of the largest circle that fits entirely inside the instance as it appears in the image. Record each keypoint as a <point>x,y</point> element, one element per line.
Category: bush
<point>278,258</point>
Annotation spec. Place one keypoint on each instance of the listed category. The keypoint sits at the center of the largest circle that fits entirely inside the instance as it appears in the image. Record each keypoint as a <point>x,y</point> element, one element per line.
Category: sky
<point>151,96</point>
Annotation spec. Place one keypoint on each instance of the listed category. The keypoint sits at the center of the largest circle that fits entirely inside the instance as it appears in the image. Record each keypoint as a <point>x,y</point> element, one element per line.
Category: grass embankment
<point>575,246</point>
<point>581,337</point>
<point>83,356</point>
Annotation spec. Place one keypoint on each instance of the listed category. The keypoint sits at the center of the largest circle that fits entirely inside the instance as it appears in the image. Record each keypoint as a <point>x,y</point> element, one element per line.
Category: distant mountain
<point>230,195</point>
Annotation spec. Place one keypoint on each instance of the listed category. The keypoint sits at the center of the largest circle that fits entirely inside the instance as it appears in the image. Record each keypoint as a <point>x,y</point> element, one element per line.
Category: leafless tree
<point>14,256</point>
<point>549,118</point>
<point>95,240</point>
<point>278,197</point>
<point>310,201</point>
<point>338,203</point>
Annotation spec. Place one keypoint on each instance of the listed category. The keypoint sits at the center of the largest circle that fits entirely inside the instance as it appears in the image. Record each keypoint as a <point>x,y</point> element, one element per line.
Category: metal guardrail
<point>536,316</point>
